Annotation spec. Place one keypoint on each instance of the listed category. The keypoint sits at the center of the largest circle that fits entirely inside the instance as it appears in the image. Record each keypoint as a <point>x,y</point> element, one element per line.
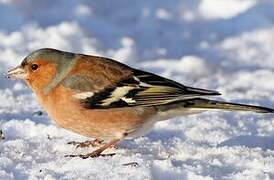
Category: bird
<point>107,100</point>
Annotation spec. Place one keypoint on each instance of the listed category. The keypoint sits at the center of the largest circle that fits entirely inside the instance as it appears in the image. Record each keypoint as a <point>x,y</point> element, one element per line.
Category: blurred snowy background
<point>226,45</point>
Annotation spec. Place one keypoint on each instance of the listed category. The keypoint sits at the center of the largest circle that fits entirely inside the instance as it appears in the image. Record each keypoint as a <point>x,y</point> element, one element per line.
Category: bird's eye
<point>34,67</point>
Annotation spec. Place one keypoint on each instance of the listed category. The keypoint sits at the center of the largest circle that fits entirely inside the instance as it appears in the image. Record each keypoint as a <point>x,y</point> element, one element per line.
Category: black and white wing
<point>142,89</point>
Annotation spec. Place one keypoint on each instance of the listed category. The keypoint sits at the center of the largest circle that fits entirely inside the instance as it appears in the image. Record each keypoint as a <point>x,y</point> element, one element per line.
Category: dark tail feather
<point>202,92</point>
<point>211,104</point>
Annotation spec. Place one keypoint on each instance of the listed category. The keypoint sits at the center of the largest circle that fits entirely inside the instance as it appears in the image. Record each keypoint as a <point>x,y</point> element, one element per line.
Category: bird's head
<point>43,69</point>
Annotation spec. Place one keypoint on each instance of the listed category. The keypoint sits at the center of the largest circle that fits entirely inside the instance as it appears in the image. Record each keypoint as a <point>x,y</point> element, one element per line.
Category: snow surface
<point>218,44</point>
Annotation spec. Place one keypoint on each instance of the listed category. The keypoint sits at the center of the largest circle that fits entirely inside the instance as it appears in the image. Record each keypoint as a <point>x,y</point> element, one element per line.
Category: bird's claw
<point>95,153</point>
<point>90,155</point>
<point>94,143</point>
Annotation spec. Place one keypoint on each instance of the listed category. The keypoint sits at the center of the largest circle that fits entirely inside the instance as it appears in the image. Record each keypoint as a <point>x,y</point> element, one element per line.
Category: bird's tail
<point>207,104</point>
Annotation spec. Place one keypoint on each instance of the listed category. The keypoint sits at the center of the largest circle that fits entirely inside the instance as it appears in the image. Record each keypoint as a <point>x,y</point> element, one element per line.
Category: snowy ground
<point>218,44</point>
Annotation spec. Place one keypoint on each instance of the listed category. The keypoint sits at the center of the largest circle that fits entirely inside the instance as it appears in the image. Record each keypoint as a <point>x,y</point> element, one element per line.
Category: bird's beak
<point>17,73</point>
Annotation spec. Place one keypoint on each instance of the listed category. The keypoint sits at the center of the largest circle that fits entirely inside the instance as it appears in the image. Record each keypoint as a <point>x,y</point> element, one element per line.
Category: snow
<point>215,44</point>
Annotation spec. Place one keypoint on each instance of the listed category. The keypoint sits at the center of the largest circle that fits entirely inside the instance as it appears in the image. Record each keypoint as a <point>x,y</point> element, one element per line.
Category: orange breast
<point>67,112</point>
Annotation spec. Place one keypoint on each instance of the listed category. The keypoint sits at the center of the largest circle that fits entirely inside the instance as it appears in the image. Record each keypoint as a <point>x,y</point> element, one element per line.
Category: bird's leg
<point>98,152</point>
<point>94,143</point>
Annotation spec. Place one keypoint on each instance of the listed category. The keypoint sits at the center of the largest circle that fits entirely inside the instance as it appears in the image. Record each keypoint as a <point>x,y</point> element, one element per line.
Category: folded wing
<point>142,89</point>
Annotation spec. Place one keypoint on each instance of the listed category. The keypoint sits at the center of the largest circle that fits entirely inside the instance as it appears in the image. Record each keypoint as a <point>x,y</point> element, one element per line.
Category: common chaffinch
<point>107,100</point>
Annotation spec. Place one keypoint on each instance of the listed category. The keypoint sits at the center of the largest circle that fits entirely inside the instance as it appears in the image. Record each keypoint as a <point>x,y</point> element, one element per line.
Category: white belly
<point>161,116</point>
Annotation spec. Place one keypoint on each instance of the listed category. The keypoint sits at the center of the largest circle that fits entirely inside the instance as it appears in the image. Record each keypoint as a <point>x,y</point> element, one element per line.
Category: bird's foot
<point>94,143</point>
<point>98,152</point>
<point>94,154</point>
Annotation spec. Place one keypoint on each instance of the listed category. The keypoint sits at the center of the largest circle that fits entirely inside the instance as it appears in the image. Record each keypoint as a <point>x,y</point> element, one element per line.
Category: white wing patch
<point>128,100</point>
<point>83,95</point>
<point>117,94</point>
